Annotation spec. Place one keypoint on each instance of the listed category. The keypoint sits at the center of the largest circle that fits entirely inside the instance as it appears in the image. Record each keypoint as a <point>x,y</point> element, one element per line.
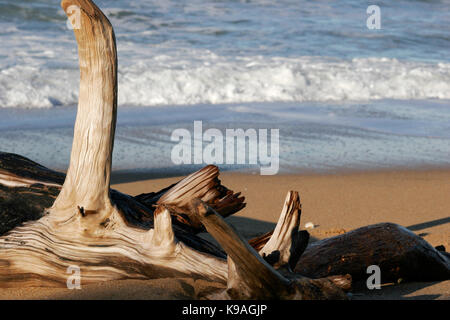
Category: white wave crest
<point>165,80</point>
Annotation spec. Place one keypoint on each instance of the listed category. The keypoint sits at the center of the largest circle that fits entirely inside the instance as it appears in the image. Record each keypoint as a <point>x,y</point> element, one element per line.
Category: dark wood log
<point>21,204</point>
<point>396,250</point>
<point>19,168</point>
<point>26,190</point>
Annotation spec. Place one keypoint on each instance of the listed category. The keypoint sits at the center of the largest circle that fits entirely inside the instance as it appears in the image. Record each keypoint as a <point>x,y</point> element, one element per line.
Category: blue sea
<point>342,95</point>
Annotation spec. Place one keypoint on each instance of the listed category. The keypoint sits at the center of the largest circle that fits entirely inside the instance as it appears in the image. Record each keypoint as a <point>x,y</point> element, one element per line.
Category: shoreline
<point>313,137</point>
<point>135,175</point>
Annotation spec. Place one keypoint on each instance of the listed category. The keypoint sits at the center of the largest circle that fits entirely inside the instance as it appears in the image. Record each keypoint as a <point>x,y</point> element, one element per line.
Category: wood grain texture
<point>397,251</point>
<point>287,242</point>
<point>107,239</point>
<point>250,276</point>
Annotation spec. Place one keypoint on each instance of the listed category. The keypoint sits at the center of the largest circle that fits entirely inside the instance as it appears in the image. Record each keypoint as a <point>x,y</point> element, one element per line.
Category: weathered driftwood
<point>110,235</point>
<point>21,240</point>
<point>286,243</point>
<point>39,252</point>
<point>84,226</point>
<point>27,189</point>
<point>251,277</point>
<point>397,251</point>
<point>103,232</point>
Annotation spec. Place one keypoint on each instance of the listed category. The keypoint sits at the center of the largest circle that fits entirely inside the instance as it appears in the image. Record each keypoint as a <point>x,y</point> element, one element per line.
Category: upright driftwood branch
<point>88,177</point>
<point>83,226</point>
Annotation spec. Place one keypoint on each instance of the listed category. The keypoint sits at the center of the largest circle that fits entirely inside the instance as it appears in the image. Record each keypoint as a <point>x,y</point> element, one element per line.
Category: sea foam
<point>213,79</point>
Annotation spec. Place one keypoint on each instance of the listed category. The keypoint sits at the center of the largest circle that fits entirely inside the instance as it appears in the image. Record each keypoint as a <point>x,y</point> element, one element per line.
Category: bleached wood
<point>31,188</point>
<point>88,177</point>
<point>35,254</point>
<point>250,276</point>
<point>206,186</point>
<point>83,227</point>
<point>287,242</point>
<point>13,181</point>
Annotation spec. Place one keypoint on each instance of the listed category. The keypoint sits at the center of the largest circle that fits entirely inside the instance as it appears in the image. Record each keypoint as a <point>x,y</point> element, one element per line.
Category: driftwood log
<point>398,252</point>
<point>24,251</point>
<point>50,221</point>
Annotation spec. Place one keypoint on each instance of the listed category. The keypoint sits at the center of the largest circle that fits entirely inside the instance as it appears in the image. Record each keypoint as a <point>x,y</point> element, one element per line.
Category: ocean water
<point>342,95</point>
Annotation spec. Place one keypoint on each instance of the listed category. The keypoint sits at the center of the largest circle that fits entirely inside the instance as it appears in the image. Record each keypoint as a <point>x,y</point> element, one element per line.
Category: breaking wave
<point>212,79</point>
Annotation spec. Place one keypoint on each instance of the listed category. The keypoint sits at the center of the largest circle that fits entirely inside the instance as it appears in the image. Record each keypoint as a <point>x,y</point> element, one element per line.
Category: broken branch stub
<point>249,276</point>
<point>287,243</point>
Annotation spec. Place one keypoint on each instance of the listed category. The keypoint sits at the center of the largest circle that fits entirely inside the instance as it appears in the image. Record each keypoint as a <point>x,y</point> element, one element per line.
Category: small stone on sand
<point>309,225</point>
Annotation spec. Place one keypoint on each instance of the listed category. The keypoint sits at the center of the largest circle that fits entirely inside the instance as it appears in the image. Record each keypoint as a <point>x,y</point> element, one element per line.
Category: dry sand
<point>419,200</point>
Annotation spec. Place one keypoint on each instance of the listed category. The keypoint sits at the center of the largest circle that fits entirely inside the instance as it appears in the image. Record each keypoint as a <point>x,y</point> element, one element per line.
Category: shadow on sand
<point>397,292</point>
<point>429,224</point>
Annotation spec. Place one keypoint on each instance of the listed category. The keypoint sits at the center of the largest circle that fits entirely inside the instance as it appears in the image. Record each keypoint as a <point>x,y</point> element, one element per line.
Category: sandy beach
<point>334,203</point>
